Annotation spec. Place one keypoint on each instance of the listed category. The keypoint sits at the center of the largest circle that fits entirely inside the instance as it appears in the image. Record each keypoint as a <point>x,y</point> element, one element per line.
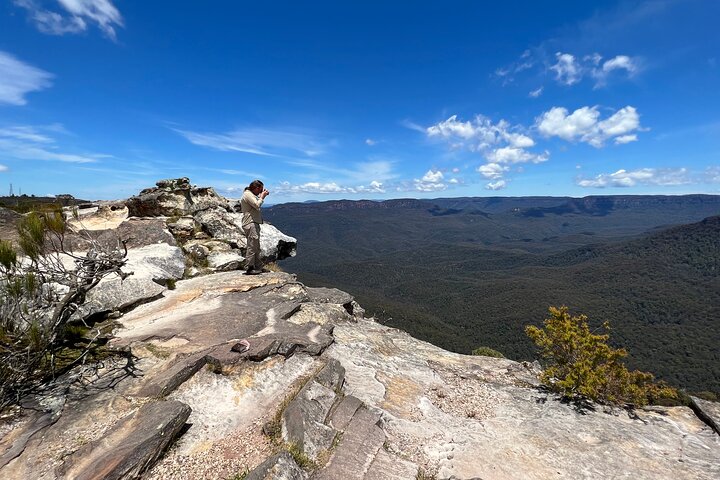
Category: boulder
<point>280,466</point>
<point>275,245</point>
<point>221,225</point>
<point>131,447</point>
<point>708,411</point>
<point>174,197</point>
<point>151,266</point>
<point>184,228</point>
<point>225,261</point>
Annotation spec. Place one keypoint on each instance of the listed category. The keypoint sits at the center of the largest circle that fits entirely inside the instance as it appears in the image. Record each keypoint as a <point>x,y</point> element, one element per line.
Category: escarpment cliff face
<point>261,377</point>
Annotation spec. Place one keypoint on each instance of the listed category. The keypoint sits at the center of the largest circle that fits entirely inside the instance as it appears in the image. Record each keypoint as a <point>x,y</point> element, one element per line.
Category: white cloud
<point>452,128</point>
<point>584,125</point>
<point>492,140</point>
<point>516,155</point>
<point>499,143</point>
<point>3,168</point>
<point>370,142</point>
<point>536,93</point>
<point>567,70</point>
<point>629,65</point>
<point>620,62</point>
<point>499,185</point>
<point>623,139</point>
<point>31,143</point>
<point>455,170</point>
<point>18,78</point>
<point>712,174</point>
<point>492,170</point>
<point>433,177</point>
<point>76,16</point>
<point>257,141</point>
<point>454,181</point>
<point>643,176</point>
<point>432,181</point>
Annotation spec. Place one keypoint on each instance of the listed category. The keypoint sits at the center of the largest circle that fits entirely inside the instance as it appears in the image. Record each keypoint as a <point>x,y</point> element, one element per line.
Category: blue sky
<point>374,99</point>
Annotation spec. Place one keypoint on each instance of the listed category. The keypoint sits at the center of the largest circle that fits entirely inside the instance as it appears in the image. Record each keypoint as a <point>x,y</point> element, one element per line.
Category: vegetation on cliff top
<point>581,365</point>
<point>39,293</point>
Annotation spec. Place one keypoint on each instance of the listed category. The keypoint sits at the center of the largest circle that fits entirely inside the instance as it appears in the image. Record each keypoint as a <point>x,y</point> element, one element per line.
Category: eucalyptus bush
<point>41,285</point>
<point>580,363</point>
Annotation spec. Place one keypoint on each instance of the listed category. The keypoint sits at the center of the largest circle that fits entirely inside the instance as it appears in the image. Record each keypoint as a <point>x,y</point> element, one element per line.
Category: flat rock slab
<point>13,444</point>
<point>708,411</point>
<point>357,450</point>
<point>225,404</point>
<point>344,411</point>
<point>329,295</point>
<point>391,467</point>
<point>131,447</point>
<point>205,311</point>
<point>465,417</point>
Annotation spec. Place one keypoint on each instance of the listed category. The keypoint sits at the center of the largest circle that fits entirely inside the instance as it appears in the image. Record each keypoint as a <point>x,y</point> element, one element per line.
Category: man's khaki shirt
<point>250,208</point>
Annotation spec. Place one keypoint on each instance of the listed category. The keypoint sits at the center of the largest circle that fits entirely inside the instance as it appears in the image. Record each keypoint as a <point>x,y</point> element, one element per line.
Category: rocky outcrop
<point>174,197</point>
<point>200,220</point>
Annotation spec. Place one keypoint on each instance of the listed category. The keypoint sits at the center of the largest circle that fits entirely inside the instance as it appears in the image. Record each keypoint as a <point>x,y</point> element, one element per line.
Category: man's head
<point>256,187</point>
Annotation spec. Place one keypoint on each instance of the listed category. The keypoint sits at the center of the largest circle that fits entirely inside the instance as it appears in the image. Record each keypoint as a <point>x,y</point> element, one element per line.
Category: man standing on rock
<point>250,203</point>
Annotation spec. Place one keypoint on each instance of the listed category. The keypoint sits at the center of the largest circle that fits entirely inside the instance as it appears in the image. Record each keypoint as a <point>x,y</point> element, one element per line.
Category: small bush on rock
<point>580,363</point>
<point>487,352</point>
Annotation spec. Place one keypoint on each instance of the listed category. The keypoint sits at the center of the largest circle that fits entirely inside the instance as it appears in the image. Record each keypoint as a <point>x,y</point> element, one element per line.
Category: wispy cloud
<point>3,168</point>
<point>33,143</point>
<point>536,93</point>
<point>570,69</point>
<point>567,70</point>
<point>712,174</point>
<point>229,171</point>
<point>378,170</point>
<point>258,141</point>
<point>18,79</point>
<point>643,176</point>
<point>74,16</point>
<point>328,188</point>
<point>584,125</point>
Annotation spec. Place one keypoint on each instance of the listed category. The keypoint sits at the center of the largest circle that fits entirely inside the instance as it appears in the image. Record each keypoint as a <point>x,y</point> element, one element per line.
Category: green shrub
<point>487,352</point>
<point>580,363</point>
